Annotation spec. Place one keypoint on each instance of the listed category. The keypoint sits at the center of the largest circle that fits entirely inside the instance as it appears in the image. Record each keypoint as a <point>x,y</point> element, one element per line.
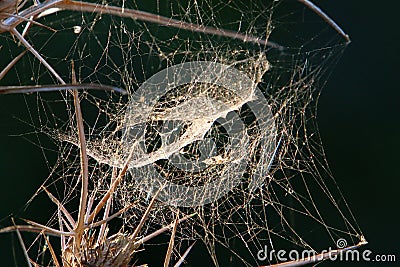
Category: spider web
<point>297,204</point>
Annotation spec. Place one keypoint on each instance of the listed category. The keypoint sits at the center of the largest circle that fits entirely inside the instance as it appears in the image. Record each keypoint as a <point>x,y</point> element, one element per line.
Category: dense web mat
<point>236,145</point>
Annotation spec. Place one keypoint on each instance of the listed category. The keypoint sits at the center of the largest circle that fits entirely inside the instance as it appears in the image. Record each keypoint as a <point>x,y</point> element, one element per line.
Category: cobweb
<point>199,133</point>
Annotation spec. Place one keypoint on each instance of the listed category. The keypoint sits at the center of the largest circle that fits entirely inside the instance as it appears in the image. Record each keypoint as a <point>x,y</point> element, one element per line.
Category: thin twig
<point>36,54</point>
<point>89,208</point>
<point>21,241</point>
<point>107,208</point>
<point>53,254</point>
<point>325,17</point>
<point>171,242</point>
<point>37,228</point>
<point>31,21</point>
<point>178,263</point>
<point>145,215</point>
<point>10,65</point>
<point>162,230</point>
<point>109,218</point>
<point>46,228</point>
<point>60,206</point>
<point>60,222</point>
<point>157,19</point>
<point>57,87</point>
<point>112,188</point>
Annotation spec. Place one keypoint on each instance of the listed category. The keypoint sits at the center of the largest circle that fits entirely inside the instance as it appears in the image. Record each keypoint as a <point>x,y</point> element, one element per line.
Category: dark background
<point>358,116</point>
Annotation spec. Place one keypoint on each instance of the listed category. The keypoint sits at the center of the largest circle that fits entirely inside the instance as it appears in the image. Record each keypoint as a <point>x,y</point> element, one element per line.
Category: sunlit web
<point>298,204</point>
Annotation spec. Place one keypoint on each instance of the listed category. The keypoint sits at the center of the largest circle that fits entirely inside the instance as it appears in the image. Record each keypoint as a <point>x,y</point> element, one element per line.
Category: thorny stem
<point>84,164</point>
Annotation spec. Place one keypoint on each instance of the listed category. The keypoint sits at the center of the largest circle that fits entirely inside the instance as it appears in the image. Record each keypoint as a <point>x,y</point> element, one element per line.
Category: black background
<point>358,116</point>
